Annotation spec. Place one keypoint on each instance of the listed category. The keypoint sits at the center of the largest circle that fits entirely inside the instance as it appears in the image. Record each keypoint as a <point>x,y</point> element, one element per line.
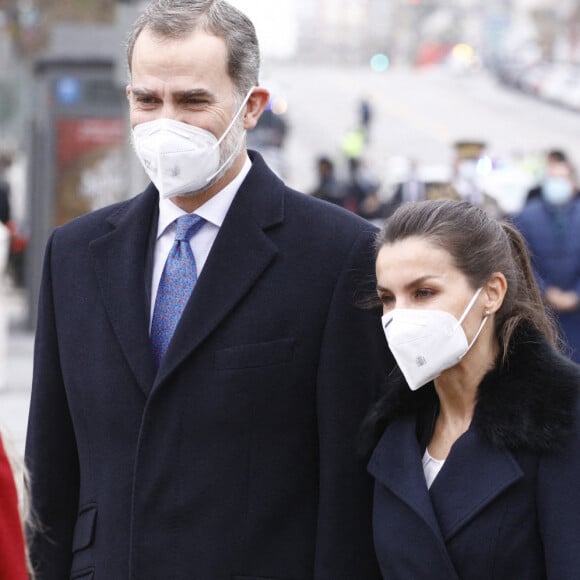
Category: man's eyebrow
<point>193,93</point>
<point>182,95</point>
<point>142,92</point>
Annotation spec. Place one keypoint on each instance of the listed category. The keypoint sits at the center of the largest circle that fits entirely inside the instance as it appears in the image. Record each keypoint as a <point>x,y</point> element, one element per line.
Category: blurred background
<point>373,102</point>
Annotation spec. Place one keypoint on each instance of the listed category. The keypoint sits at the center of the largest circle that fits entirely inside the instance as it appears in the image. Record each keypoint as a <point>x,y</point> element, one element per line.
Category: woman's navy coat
<point>506,504</point>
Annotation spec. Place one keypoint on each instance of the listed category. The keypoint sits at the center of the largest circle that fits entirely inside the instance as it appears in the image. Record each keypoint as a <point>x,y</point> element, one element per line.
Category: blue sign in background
<point>68,90</point>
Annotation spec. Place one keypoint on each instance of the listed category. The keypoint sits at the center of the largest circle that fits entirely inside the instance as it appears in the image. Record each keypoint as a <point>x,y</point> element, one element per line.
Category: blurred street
<point>417,114</point>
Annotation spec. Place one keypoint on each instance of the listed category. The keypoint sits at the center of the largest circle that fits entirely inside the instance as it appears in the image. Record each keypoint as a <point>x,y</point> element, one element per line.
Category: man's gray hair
<point>178,18</point>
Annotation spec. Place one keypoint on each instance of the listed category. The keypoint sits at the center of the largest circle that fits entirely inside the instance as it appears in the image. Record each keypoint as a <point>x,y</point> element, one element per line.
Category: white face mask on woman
<point>427,342</point>
<point>181,158</point>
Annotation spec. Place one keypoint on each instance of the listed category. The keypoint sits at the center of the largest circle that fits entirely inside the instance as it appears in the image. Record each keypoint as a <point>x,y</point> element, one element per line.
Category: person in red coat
<point>12,551</point>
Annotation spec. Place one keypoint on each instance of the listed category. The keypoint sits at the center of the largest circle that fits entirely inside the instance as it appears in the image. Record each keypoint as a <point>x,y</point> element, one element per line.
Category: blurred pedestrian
<point>328,188</point>
<point>18,241</point>
<point>353,148</point>
<point>5,233</point>
<point>413,188</point>
<point>477,439</point>
<point>205,434</point>
<point>365,118</point>
<point>361,184</point>
<point>5,162</point>
<point>366,114</point>
<point>4,202</point>
<point>374,208</point>
<point>551,227</point>
<point>13,565</point>
<point>554,158</point>
<point>467,179</point>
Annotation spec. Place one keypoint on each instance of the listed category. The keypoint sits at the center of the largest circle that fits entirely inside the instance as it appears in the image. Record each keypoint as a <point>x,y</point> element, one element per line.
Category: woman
<point>476,443</point>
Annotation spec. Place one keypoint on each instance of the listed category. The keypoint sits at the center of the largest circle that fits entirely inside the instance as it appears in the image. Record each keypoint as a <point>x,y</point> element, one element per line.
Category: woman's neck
<point>457,391</point>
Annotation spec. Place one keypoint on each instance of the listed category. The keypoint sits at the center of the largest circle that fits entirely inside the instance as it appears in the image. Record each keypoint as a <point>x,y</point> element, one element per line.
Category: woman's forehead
<point>412,258</point>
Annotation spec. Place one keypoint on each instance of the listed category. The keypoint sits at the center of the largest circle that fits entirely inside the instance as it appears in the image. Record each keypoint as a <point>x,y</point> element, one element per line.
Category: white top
<point>431,467</point>
<point>213,211</point>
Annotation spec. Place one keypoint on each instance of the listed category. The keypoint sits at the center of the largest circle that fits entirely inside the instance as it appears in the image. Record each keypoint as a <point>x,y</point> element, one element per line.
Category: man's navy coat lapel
<point>240,254</point>
<point>119,259</point>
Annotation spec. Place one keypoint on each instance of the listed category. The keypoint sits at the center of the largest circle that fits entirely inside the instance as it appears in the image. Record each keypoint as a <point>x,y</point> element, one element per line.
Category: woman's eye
<point>423,293</point>
<point>386,298</point>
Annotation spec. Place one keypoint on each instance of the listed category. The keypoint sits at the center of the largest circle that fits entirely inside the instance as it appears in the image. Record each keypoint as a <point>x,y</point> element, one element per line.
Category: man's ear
<point>494,291</point>
<point>255,106</point>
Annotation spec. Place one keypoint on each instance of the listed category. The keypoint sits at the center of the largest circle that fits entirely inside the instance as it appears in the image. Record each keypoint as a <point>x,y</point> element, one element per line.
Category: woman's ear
<point>494,292</point>
<point>255,106</point>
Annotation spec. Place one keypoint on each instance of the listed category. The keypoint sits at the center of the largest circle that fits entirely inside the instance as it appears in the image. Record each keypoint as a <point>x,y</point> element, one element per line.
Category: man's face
<point>182,79</point>
<point>559,169</point>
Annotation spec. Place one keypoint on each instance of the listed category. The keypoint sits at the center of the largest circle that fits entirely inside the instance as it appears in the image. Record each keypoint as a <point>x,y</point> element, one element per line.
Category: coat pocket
<point>86,574</point>
<point>84,533</point>
<point>261,354</point>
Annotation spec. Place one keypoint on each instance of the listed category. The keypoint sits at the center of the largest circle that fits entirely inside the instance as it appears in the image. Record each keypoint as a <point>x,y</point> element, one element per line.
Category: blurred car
<point>558,81</point>
<point>509,186</point>
<point>534,77</point>
<point>571,97</point>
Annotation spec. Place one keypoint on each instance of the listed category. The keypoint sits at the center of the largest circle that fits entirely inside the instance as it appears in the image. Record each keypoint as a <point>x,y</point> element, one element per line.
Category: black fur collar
<point>527,403</point>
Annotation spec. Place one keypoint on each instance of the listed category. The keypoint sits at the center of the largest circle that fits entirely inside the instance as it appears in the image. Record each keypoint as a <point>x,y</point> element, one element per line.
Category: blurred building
<point>552,27</point>
<point>348,31</point>
<point>407,31</point>
<point>425,31</point>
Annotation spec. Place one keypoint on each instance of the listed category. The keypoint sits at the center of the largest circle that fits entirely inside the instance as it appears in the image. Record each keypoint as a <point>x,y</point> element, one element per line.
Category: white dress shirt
<point>213,211</point>
<point>431,467</point>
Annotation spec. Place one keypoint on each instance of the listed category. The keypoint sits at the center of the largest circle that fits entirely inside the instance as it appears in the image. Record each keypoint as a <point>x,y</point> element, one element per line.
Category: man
<point>554,159</point>
<point>328,188</point>
<point>551,227</point>
<point>225,452</point>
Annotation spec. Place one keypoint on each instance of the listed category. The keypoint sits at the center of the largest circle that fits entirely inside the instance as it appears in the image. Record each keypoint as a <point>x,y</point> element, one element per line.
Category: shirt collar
<point>214,210</point>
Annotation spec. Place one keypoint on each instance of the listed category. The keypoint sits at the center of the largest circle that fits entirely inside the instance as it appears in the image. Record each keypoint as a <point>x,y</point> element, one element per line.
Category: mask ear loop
<point>235,117</point>
<point>485,318</point>
<point>465,313</point>
<point>228,129</point>
<point>470,305</point>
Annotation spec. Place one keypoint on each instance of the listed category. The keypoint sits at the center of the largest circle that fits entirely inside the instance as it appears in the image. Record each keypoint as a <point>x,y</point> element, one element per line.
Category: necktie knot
<point>177,282</point>
<point>187,226</point>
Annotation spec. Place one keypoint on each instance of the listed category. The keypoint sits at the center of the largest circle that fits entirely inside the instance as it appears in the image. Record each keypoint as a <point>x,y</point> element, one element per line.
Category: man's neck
<point>190,203</point>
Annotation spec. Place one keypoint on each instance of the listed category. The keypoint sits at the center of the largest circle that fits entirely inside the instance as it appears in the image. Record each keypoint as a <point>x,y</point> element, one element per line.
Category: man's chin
<point>194,193</point>
<point>188,194</point>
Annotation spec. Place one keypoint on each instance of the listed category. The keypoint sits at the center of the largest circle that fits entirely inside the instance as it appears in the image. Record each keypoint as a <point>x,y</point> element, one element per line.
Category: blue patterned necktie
<point>175,287</point>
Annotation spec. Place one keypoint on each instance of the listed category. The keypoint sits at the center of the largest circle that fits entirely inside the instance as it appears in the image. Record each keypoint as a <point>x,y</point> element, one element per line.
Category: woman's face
<point>414,273</point>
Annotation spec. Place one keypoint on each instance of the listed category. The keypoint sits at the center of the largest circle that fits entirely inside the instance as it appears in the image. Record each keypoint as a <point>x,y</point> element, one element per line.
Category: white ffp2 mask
<point>180,158</point>
<point>427,342</point>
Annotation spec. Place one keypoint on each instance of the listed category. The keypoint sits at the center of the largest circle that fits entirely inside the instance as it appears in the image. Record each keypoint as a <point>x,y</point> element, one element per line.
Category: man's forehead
<point>157,41</point>
<point>198,60</point>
